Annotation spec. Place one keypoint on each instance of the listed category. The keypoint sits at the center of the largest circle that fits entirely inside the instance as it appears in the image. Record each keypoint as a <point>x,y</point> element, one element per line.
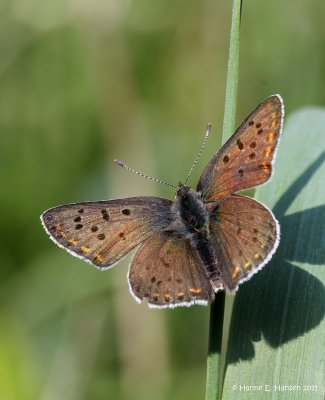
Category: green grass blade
<point>214,367</point>
<point>229,119</point>
<point>277,335</point>
<point>215,339</point>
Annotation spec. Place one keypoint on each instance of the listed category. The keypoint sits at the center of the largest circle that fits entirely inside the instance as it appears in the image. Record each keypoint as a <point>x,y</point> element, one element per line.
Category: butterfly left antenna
<point>122,164</point>
<point>207,133</point>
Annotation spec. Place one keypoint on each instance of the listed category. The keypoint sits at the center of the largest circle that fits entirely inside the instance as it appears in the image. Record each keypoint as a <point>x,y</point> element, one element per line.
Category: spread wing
<point>245,235</point>
<point>167,272</point>
<point>102,232</point>
<point>245,160</point>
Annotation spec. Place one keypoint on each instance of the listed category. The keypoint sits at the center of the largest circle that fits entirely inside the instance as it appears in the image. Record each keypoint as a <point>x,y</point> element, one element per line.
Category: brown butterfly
<point>205,241</point>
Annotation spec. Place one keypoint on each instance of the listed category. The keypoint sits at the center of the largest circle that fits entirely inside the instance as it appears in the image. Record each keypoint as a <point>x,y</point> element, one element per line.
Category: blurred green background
<point>84,82</point>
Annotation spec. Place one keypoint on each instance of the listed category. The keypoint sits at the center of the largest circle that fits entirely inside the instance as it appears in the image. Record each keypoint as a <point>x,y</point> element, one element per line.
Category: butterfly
<point>206,240</point>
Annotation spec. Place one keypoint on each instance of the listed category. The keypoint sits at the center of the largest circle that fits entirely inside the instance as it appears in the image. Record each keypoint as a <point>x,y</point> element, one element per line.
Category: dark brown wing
<point>245,160</point>
<point>245,235</point>
<point>102,232</point>
<point>167,272</point>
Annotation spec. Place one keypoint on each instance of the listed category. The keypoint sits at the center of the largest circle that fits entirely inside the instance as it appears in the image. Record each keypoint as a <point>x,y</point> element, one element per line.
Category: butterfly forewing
<point>104,231</point>
<point>167,272</point>
<point>245,235</point>
<point>245,160</point>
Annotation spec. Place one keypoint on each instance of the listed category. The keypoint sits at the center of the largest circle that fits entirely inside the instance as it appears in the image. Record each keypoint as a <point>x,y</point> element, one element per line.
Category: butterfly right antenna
<point>207,133</point>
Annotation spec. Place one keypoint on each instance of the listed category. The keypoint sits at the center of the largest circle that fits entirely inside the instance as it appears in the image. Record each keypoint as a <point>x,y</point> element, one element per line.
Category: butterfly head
<point>182,190</point>
<point>185,191</point>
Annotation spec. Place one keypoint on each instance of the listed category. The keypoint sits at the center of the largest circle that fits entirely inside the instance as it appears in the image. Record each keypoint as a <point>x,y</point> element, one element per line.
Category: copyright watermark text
<point>274,388</point>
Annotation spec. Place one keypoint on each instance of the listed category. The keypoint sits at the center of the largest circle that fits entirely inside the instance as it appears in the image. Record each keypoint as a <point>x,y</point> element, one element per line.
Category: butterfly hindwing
<point>245,160</point>
<point>245,235</point>
<point>167,272</point>
<point>104,231</point>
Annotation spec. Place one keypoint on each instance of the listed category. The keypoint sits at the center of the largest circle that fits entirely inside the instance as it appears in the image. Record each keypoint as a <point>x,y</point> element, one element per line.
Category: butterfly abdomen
<point>209,260</point>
